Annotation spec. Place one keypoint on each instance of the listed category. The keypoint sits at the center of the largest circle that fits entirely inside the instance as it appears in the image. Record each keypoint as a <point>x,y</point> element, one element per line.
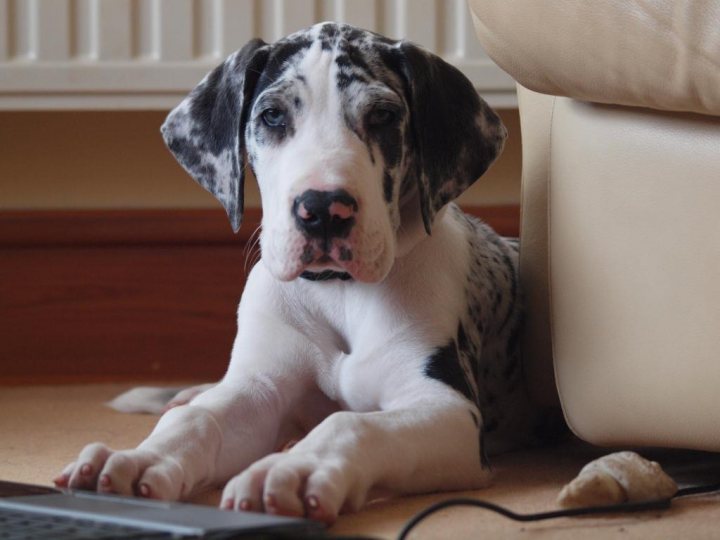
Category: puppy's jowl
<point>380,326</point>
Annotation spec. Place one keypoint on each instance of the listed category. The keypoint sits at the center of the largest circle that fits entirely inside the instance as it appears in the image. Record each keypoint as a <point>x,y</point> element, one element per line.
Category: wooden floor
<point>43,427</point>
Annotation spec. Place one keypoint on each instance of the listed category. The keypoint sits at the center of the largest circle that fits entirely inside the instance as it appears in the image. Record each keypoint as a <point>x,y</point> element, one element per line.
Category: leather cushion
<point>663,54</point>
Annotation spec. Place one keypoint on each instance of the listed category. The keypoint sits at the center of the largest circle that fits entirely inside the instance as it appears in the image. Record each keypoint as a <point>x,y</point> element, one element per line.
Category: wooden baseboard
<point>127,295</point>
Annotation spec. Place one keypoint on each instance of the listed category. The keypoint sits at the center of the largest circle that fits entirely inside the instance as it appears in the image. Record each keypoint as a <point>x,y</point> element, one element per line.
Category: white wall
<point>99,159</point>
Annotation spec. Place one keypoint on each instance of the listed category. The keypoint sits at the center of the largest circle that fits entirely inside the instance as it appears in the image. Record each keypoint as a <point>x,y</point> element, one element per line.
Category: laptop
<point>39,512</point>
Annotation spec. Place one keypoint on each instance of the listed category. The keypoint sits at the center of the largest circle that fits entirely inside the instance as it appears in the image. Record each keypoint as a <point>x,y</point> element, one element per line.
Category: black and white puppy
<point>382,322</point>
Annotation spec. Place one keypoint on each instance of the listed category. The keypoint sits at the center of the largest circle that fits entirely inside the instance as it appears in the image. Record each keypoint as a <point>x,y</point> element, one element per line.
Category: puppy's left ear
<point>457,136</point>
<point>206,132</point>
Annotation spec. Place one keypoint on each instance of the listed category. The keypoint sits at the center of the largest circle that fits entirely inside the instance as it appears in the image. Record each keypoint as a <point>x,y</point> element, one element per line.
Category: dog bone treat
<point>617,478</point>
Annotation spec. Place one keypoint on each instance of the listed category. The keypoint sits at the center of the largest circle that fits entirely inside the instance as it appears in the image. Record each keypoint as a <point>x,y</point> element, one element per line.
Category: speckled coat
<point>381,324</point>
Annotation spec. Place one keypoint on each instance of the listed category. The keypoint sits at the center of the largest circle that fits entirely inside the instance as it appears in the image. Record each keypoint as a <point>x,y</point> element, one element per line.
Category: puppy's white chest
<point>342,380</point>
<point>350,331</point>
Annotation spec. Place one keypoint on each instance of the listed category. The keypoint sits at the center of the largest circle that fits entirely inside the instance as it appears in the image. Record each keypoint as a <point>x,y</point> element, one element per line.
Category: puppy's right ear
<point>456,135</point>
<point>206,132</point>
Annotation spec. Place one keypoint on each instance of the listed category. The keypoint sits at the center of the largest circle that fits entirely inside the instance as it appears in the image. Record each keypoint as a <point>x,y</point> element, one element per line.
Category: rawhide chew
<point>617,478</point>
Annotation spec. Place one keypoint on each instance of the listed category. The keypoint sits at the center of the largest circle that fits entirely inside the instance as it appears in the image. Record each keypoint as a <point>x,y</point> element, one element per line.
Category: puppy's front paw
<point>124,472</point>
<point>297,484</point>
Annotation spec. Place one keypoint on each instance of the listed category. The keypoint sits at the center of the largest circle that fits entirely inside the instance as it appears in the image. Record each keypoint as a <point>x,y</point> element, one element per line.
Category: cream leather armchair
<point>620,244</point>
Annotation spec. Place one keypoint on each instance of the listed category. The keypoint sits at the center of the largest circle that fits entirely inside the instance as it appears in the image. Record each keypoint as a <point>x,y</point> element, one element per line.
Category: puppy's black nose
<point>325,214</point>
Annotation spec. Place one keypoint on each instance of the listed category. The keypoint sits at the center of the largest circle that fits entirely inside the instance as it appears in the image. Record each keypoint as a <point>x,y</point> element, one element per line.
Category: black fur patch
<point>211,96</point>
<point>352,58</point>
<point>346,78</point>
<point>389,140</point>
<point>444,365</point>
<point>328,36</point>
<point>281,54</point>
<point>388,186</point>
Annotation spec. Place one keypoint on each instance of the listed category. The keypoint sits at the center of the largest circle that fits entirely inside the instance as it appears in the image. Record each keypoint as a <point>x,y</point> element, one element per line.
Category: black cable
<point>694,490</point>
<point>629,507</point>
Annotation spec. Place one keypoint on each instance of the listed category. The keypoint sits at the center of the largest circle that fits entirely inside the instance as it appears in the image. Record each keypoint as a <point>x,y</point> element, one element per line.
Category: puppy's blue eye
<point>381,117</point>
<point>273,117</point>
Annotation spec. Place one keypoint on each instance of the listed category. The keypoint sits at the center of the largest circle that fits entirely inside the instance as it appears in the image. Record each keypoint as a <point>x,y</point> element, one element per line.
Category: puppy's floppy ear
<point>206,132</point>
<point>456,134</point>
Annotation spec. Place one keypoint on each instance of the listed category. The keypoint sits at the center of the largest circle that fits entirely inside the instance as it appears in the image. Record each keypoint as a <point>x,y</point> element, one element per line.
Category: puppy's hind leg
<point>186,395</point>
<point>156,400</point>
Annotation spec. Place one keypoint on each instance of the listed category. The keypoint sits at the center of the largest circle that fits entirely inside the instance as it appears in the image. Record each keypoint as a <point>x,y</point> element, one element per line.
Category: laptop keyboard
<point>18,525</point>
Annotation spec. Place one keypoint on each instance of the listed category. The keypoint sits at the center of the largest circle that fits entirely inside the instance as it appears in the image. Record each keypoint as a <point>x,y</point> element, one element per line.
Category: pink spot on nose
<point>340,210</point>
<point>303,213</point>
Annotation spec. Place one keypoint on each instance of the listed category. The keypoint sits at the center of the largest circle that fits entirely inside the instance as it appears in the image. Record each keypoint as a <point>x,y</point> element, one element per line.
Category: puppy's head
<point>356,141</point>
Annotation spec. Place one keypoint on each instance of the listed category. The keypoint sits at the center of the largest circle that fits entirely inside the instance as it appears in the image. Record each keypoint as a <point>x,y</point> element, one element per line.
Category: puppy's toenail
<point>145,490</point>
<point>312,502</point>
<point>105,480</point>
<point>61,480</point>
<point>86,470</point>
<point>245,505</point>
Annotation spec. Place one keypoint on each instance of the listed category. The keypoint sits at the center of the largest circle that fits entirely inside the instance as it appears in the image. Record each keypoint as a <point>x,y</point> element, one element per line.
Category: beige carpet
<point>42,429</point>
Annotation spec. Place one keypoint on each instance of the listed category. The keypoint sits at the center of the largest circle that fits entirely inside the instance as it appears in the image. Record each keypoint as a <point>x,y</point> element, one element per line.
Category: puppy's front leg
<point>192,447</point>
<point>220,432</point>
<point>412,447</point>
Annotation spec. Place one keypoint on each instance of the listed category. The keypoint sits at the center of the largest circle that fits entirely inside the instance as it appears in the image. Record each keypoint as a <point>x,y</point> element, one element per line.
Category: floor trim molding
<point>128,295</point>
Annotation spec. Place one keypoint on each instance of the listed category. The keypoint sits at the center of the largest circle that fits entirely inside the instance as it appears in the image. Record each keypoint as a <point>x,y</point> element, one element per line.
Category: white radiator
<point>146,54</point>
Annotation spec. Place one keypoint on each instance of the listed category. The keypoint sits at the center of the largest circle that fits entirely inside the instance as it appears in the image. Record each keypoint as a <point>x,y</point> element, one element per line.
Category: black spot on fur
<point>357,60</point>
<point>389,140</point>
<point>463,343</point>
<point>388,186</point>
<point>345,79</point>
<point>343,61</point>
<point>444,366</point>
<point>207,98</point>
<point>511,274</point>
<point>190,154</point>
<point>393,59</point>
<point>281,54</point>
<point>352,66</point>
<point>328,36</point>
<point>513,343</point>
<point>354,34</point>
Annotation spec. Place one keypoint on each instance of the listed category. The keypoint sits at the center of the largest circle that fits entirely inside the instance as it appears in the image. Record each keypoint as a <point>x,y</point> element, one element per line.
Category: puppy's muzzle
<point>325,215</point>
